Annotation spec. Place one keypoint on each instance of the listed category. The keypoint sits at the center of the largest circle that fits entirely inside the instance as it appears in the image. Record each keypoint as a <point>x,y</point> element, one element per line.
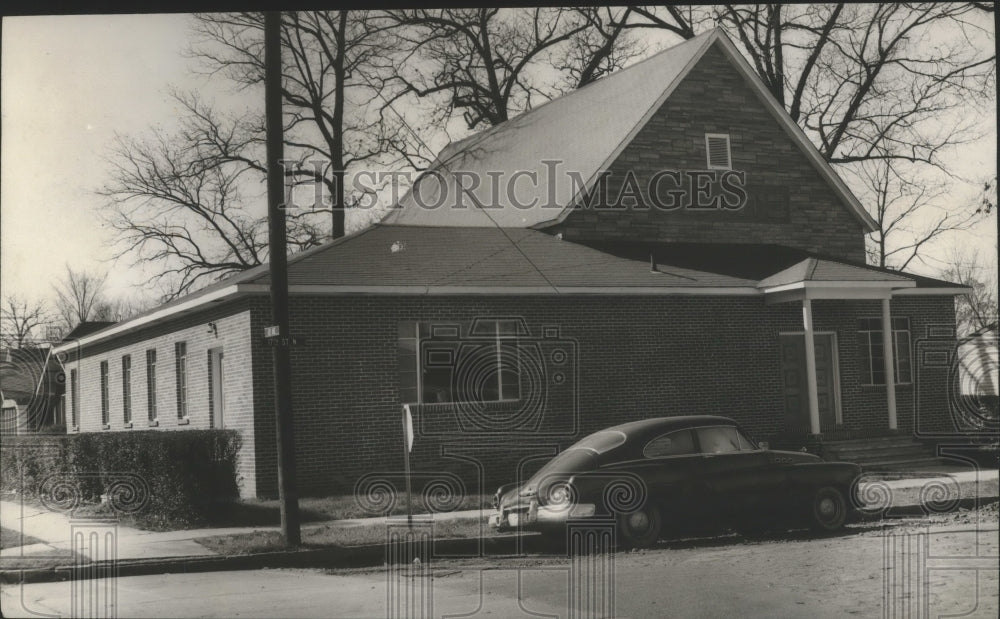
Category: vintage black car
<point>649,475</point>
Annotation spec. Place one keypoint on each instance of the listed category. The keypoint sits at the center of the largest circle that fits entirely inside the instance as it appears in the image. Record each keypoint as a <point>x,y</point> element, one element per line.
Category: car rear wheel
<point>641,528</point>
<point>828,509</point>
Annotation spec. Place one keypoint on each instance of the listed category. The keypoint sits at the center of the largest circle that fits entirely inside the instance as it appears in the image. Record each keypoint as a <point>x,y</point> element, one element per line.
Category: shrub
<point>159,479</point>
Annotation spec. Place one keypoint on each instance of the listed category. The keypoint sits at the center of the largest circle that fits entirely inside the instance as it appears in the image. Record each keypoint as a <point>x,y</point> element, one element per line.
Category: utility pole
<point>287,490</point>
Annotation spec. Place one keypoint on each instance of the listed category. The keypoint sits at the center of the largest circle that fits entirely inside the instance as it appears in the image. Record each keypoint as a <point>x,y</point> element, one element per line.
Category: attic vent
<point>717,146</point>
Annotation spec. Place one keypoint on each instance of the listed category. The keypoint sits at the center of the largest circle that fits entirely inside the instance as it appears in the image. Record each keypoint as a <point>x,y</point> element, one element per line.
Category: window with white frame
<point>719,156</point>
<point>871,353</point>
<point>127,388</point>
<point>105,400</point>
<point>444,362</point>
<point>151,384</point>
<point>74,398</point>
<point>180,368</point>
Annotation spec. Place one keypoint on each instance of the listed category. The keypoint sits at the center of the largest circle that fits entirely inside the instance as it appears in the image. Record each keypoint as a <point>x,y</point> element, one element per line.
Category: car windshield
<point>568,462</point>
<point>600,442</point>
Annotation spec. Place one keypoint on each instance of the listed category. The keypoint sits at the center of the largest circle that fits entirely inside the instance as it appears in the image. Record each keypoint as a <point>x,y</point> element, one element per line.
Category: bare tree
<point>77,295</point>
<point>603,47</point>
<point>180,200</point>
<point>21,319</point>
<point>481,62</point>
<point>330,62</point>
<point>978,309</point>
<point>908,213</point>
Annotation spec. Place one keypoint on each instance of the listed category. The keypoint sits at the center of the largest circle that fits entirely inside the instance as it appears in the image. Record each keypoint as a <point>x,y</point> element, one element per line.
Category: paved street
<point>790,576</point>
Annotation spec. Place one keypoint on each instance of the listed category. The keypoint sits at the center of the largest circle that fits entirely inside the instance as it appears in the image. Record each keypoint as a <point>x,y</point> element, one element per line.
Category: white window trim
<point>708,151</point>
<point>895,346</point>
<point>498,338</point>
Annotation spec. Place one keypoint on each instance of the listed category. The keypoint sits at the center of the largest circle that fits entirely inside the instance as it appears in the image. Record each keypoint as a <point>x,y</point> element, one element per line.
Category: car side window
<point>717,440</point>
<point>678,443</point>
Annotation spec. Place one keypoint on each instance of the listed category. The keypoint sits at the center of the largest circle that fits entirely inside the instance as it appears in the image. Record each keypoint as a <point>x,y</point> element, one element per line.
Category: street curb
<point>371,555</point>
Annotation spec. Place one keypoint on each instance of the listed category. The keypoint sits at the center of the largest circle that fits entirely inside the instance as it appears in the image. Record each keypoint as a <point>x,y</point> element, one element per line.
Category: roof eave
<point>127,326</point>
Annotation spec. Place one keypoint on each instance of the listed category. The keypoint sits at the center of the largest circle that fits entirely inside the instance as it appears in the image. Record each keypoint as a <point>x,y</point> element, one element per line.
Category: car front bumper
<point>532,516</point>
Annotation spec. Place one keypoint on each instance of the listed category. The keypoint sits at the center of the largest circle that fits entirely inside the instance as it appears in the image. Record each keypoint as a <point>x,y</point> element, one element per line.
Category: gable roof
<point>585,131</point>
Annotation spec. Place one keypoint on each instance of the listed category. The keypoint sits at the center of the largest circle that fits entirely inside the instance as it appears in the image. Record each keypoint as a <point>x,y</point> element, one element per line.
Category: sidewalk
<point>55,530</point>
<point>135,544</point>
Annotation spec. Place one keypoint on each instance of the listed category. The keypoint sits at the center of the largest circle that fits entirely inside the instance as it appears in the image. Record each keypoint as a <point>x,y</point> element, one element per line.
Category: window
<point>721,439</point>
<point>105,404</point>
<point>74,399</point>
<point>127,388</point>
<point>151,384</point>
<point>872,356</point>
<point>717,148</point>
<point>453,362</point>
<point>180,368</point>
<point>673,444</point>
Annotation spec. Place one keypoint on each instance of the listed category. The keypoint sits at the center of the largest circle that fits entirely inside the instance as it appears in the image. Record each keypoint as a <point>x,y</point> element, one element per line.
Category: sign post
<point>407,446</point>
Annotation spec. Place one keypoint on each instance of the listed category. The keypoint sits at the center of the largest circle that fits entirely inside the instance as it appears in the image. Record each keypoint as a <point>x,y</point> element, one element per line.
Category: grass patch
<point>327,536</point>
<point>255,513</point>
<point>9,538</point>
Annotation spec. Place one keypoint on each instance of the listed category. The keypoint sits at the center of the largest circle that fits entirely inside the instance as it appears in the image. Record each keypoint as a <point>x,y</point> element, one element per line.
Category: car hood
<point>560,468</point>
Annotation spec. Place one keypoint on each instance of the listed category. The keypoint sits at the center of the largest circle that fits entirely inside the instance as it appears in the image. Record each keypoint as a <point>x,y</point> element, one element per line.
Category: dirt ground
<point>920,566</point>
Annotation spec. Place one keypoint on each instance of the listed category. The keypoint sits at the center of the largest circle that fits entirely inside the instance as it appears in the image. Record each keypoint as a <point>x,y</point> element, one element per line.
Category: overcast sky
<point>71,82</point>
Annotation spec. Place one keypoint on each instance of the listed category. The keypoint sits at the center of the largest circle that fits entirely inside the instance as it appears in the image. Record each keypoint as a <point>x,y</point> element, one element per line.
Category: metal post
<point>406,470</point>
<point>890,372</point>
<point>278,259</point>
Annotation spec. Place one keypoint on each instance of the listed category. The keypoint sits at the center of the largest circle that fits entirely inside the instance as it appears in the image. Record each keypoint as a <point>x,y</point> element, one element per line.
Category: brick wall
<point>636,358</point>
<point>633,358</point>
<point>232,322</point>
<point>789,202</point>
<point>864,406</point>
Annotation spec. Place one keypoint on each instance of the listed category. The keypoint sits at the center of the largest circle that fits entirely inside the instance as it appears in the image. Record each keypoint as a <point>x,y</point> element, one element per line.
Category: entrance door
<point>794,386</point>
<point>218,390</point>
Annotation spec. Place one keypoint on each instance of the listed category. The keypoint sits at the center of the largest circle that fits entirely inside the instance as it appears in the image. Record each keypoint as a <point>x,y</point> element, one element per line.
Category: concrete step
<point>906,464</point>
<point>869,442</point>
<point>876,458</point>
<point>874,449</point>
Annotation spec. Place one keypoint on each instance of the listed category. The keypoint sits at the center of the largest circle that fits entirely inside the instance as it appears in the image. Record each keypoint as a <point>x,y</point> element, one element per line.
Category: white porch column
<point>890,374</point>
<point>807,323</point>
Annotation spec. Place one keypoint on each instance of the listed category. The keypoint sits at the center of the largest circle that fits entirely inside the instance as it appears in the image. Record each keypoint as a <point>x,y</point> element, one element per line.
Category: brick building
<point>663,241</point>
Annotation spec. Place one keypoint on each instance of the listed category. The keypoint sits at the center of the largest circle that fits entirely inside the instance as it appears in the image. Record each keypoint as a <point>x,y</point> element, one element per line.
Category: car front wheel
<point>641,528</point>
<point>828,509</point>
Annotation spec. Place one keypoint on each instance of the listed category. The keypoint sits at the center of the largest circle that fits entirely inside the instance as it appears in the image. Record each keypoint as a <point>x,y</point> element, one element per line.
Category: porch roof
<point>821,270</point>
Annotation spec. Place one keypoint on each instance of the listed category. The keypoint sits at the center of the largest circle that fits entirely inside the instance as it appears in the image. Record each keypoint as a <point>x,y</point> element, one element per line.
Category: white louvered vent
<point>717,146</point>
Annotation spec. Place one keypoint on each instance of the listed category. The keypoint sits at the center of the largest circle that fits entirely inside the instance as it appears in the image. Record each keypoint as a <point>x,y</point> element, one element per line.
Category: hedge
<point>158,479</point>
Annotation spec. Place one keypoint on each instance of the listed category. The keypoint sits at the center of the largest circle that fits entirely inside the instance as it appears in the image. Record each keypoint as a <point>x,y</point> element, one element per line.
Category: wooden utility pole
<point>278,259</point>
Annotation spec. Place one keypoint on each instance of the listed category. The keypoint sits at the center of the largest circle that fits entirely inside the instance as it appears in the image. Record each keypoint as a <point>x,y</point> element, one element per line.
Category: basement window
<point>719,155</point>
